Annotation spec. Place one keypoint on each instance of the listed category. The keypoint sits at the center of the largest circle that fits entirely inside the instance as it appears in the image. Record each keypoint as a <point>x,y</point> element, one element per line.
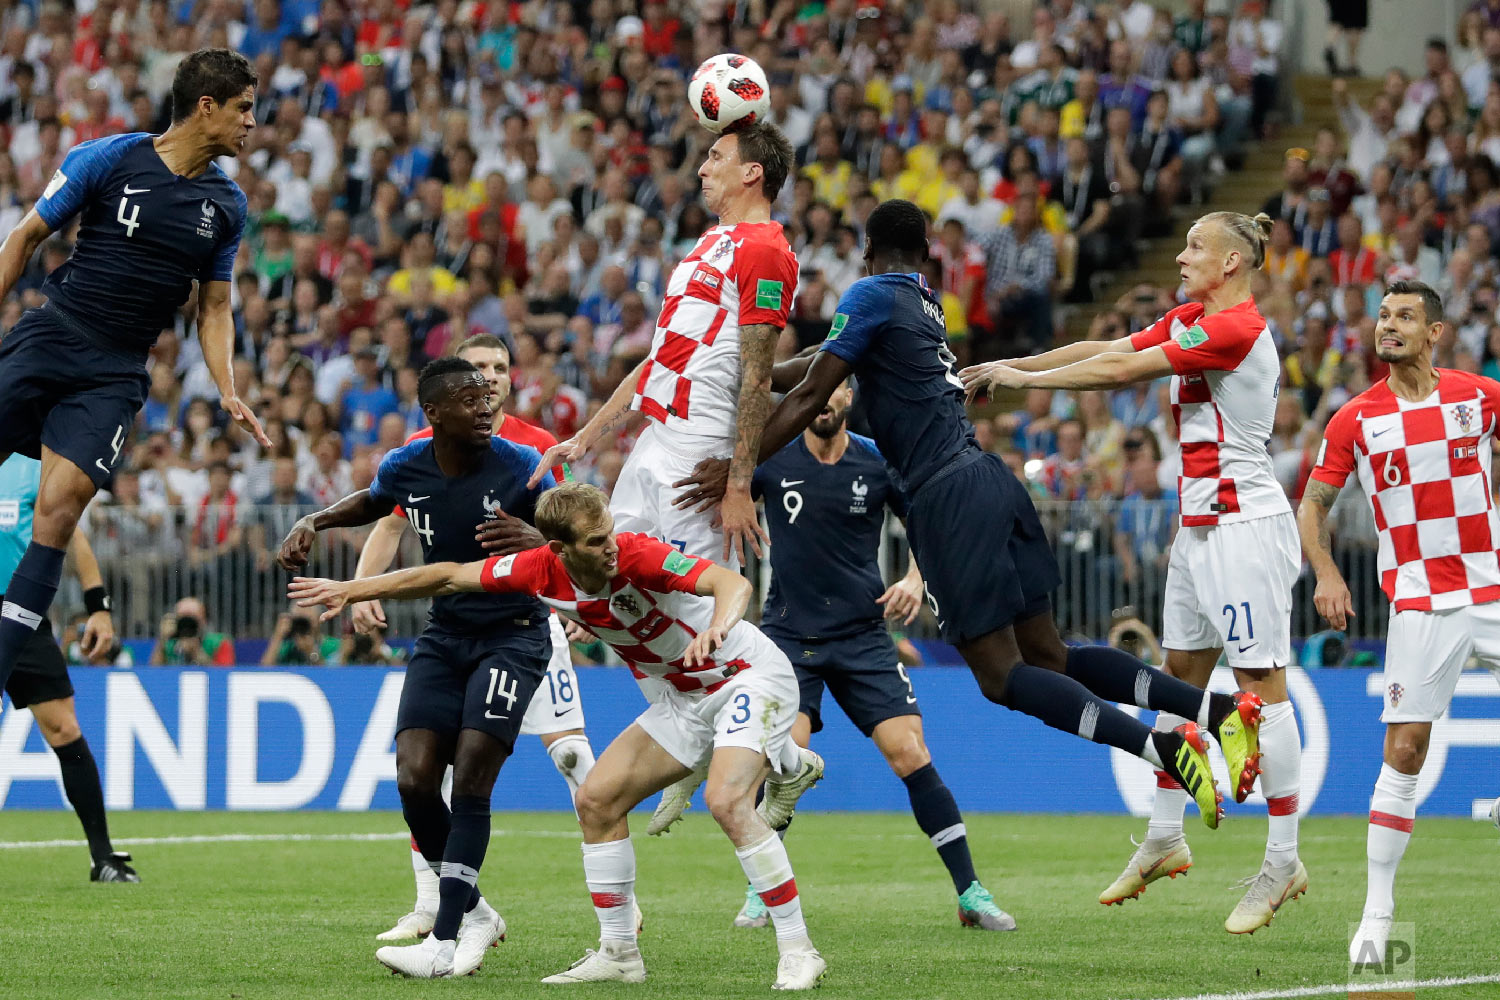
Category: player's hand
<point>506,534</point>
<point>576,632</point>
<point>903,600</point>
<point>296,545</point>
<point>368,617</point>
<point>701,650</point>
<point>309,592</point>
<point>978,379</point>
<point>1334,602</point>
<point>741,525</point>
<point>241,413</point>
<point>705,487</point>
<point>98,636</point>
<point>570,450</point>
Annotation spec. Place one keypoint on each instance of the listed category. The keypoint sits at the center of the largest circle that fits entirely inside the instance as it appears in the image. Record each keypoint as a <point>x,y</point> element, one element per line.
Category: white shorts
<point>643,495</point>
<point>1230,586</point>
<point>1425,651</point>
<point>754,709</point>
<point>557,705</point>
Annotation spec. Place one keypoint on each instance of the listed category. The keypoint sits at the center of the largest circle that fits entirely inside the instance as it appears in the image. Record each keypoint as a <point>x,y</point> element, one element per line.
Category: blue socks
<point>27,598</point>
<point>463,856</point>
<point>1063,703</point>
<point>938,816</point>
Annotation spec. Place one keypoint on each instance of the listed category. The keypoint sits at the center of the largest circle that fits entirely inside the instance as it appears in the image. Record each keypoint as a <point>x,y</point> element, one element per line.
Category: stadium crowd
<point>424,172</point>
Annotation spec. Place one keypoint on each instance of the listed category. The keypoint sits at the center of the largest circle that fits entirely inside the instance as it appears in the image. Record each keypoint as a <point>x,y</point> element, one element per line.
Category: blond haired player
<point>1421,443</point>
<point>706,386</point>
<point>723,693</point>
<point>1233,564</point>
<point>555,715</point>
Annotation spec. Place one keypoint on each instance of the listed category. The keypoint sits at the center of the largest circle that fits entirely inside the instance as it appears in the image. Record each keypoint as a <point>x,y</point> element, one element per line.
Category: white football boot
<point>615,961</point>
<point>481,929</point>
<point>415,925</point>
<point>800,970</point>
<point>432,959</point>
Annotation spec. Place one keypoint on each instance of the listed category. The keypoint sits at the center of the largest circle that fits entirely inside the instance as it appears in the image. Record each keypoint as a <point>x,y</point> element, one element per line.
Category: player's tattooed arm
<point>737,511</point>
<point>354,510</point>
<point>1332,597</point>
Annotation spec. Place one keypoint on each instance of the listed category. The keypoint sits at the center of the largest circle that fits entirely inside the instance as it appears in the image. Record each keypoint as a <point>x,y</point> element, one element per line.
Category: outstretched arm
<point>434,580</point>
<point>803,404</point>
<point>614,410</point>
<point>216,334</point>
<point>354,510</point>
<point>1332,597</point>
<point>1105,370</point>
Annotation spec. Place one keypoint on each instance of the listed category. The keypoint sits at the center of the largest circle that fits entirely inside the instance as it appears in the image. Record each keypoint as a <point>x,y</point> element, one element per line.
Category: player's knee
<point>54,525</point>
<point>1408,751</point>
<point>729,805</point>
<point>58,729</point>
<point>908,758</point>
<point>597,808</point>
<point>993,682</point>
<point>419,777</point>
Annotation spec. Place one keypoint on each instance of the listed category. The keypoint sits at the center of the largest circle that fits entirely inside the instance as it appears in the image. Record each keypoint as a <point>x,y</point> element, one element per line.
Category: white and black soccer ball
<point>729,92</point>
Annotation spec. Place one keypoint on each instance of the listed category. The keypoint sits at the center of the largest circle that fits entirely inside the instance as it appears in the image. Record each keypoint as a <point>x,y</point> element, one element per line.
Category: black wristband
<point>95,600</point>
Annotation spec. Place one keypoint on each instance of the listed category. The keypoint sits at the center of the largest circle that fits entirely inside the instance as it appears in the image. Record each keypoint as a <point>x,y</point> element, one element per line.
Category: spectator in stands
<point>298,642</point>
<point>1021,266</point>
<point>1371,133</point>
<point>1146,522</point>
<point>365,401</point>
<point>185,639</point>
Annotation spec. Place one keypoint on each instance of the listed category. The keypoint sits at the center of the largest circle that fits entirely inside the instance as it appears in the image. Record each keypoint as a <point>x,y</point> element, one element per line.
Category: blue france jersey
<point>20,478</point>
<point>145,236</point>
<point>889,327</point>
<point>825,525</point>
<point>445,511</point>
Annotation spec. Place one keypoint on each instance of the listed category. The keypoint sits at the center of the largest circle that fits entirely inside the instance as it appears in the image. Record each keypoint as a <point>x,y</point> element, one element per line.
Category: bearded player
<point>1421,443</point>
<point>705,389</point>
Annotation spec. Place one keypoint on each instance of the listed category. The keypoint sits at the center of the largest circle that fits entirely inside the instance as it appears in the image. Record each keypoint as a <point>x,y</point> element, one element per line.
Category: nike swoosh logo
<point>792,482</point>
<point>1146,872</point>
<point>411,499</point>
<point>560,714</point>
<point>735,730</point>
<point>491,715</point>
<point>1249,647</point>
<point>130,190</point>
<point>1376,434</point>
<point>102,467</point>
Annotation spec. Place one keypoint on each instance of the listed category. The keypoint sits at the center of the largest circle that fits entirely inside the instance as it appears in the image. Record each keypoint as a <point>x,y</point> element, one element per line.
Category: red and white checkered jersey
<point>647,611</point>
<point>736,276</point>
<point>1426,468</point>
<point>1226,377</point>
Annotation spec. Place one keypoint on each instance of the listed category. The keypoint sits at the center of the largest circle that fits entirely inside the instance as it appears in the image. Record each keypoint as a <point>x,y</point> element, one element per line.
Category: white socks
<point>609,870</point>
<point>1280,780</point>
<point>1393,808</point>
<point>573,757</point>
<point>427,882</point>
<point>770,873</point>
<point>1171,798</point>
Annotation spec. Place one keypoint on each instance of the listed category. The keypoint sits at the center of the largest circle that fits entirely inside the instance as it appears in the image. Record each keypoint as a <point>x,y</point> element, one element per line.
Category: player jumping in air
<point>706,386</point>
<point>474,668</point>
<point>157,216</point>
<point>826,496</point>
<point>989,569</point>
<point>1235,559</point>
<point>723,692</point>
<point>556,712</point>
<point>1421,442</point>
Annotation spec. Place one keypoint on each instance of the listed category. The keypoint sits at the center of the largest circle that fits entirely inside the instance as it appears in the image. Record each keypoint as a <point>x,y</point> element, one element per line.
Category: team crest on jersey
<point>1464,414</point>
<point>492,508</point>
<point>1394,692</point>
<point>725,247</point>
<point>860,490</point>
<point>627,603</point>
<point>206,223</point>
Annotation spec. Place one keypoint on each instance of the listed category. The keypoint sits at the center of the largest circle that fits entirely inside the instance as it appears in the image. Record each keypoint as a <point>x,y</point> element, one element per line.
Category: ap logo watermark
<point>1384,974</point>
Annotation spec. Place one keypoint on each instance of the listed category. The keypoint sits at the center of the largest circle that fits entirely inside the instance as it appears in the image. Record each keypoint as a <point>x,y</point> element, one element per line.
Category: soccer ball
<point>729,92</point>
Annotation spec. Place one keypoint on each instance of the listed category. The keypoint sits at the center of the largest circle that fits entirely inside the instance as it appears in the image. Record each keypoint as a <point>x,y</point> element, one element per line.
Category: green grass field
<point>297,918</point>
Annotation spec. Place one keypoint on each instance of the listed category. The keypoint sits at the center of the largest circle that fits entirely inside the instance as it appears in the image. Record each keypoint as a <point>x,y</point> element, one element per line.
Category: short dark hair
<point>483,341</point>
<point>221,74</point>
<point>1432,303</point>
<point>897,227</point>
<point>764,143</point>
<point>433,382</point>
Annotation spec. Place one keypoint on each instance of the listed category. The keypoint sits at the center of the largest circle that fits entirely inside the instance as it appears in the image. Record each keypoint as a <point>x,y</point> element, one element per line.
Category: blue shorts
<point>862,672</point>
<point>461,682</point>
<point>60,389</point>
<point>987,562</point>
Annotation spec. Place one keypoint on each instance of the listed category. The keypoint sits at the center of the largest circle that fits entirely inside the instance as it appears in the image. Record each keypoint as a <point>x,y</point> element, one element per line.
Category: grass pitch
<point>281,918</point>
